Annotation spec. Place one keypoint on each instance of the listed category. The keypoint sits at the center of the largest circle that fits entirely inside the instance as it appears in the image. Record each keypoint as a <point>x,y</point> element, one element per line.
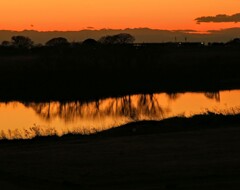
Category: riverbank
<point>93,72</point>
<point>201,152</point>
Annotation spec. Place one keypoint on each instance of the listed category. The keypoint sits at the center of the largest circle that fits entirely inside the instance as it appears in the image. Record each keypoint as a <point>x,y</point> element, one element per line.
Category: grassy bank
<point>201,152</point>
<point>205,121</point>
<point>92,72</point>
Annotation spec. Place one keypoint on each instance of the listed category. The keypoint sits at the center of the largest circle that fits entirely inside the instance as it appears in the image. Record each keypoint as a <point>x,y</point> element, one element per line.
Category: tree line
<point>26,42</point>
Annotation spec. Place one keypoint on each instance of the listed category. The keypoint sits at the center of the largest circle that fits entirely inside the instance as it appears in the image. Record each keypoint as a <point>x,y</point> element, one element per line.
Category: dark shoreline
<point>93,72</point>
<point>170,125</point>
<point>201,152</point>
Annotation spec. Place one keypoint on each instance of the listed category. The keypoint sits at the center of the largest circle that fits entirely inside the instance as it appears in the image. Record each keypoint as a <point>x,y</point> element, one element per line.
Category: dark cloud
<point>219,18</point>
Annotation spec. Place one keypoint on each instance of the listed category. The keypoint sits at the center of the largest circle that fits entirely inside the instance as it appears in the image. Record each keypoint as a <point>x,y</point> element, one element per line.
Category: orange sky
<point>80,14</point>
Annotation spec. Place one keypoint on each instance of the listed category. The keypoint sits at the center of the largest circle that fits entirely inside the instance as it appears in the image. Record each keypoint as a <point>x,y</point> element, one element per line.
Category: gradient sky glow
<point>48,15</point>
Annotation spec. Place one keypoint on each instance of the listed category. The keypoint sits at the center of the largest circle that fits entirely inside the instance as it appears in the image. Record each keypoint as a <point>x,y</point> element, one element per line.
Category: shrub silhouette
<point>89,41</point>
<point>6,44</point>
<point>122,38</point>
<point>57,42</point>
<point>234,42</point>
<point>22,42</point>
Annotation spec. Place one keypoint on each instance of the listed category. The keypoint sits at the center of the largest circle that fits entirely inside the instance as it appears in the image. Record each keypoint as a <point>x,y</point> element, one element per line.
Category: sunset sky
<point>64,15</point>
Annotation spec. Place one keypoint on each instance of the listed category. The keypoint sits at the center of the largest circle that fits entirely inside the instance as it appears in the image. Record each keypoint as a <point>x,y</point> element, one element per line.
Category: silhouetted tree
<point>58,42</point>
<point>22,42</point>
<point>122,38</point>
<point>6,44</point>
<point>89,41</point>
<point>125,38</point>
<point>234,42</point>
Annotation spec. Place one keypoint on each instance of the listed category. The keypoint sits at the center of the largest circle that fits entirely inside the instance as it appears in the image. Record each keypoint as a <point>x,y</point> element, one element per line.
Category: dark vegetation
<point>201,152</point>
<point>177,124</point>
<point>113,66</point>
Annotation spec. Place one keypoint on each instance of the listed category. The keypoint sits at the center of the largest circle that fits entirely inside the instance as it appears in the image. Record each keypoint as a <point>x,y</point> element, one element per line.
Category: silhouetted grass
<point>201,152</point>
<point>176,124</point>
<point>205,121</point>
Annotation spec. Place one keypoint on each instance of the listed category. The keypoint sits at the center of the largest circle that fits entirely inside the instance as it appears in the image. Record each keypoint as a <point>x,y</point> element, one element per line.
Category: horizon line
<point>121,29</point>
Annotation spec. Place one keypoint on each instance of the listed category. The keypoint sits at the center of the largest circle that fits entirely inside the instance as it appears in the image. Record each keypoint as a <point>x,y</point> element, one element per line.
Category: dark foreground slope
<point>205,156</point>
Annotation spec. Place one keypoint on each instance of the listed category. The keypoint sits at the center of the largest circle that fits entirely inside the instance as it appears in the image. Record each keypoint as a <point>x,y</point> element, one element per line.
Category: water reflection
<point>173,96</point>
<point>29,119</point>
<point>134,107</point>
<point>213,95</point>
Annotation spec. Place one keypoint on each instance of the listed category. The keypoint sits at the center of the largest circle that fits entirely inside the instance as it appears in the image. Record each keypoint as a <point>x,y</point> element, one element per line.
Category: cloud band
<point>219,18</point>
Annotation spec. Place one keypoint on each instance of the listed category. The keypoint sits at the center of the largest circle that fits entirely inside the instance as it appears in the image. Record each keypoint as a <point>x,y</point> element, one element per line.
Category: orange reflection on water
<point>27,120</point>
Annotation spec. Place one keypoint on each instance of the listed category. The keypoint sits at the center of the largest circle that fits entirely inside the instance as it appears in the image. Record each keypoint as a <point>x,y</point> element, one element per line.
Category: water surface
<point>28,119</point>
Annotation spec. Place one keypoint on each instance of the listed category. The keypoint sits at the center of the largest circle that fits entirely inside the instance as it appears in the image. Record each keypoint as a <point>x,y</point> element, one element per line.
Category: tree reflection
<point>134,107</point>
<point>173,96</point>
<point>213,95</point>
